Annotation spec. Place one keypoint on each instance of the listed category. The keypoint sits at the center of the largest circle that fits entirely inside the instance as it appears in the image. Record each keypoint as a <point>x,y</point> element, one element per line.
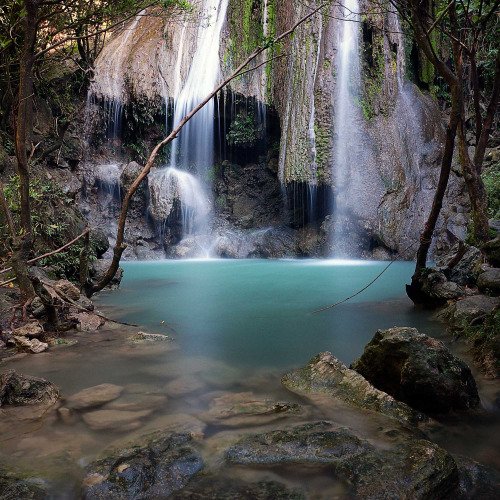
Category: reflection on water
<point>238,326</point>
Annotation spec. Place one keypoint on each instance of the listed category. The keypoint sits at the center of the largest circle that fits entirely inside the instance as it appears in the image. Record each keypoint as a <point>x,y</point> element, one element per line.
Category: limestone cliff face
<point>400,129</point>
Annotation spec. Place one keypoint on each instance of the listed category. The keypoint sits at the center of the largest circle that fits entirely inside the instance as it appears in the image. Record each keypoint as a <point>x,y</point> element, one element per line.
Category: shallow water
<point>237,327</point>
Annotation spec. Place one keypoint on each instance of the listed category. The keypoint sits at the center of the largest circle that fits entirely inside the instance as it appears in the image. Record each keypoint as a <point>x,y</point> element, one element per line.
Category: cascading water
<point>347,120</point>
<point>191,154</point>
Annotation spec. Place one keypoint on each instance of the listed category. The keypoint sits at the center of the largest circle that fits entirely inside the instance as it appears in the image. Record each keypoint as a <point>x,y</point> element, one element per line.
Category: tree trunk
<point>23,131</point>
<point>444,175</point>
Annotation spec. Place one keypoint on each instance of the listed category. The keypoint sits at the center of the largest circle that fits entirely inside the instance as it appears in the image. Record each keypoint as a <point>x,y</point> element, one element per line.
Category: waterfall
<point>347,120</point>
<point>194,146</point>
<point>191,155</point>
<point>170,184</point>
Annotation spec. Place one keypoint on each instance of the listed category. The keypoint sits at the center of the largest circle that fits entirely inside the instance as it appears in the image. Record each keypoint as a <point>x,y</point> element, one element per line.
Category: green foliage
<point>52,222</point>
<point>491,179</point>
<point>242,131</point>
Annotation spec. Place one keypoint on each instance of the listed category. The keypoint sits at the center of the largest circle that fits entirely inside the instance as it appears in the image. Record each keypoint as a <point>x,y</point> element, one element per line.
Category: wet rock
<point>415,469</point>
<point>489,282</point>
<point>129,174</point>
<point>325,374</point>
<point>99,269</point>
<point>14,487</point>
<point>471,309</point>
<point>94,396</point>
<point>244,408</point>
<point>476,480</point>
<point>154,470</point>
<point>178,422</point>
<point>32,329</point>
<point>418,370</point>
<point>33,345</point>
<point>67,288</point>
<point>99,242</point>
<point>115,420</point>
<point>465,271</point>
<point>492,250</point>
<point>225,488</point>
<point>19,389</point>
<point>432,289</point>
<point>88,322</point>
<point>143,337</point>
<point>184,385</point>
<point>66,415</point>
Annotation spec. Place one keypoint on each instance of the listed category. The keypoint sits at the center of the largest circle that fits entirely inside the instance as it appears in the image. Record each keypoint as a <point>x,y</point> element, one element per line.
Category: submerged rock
<point>415,469</point>
<point>154,470</point>
<point>418,370</point>
<point>224,488</point>
<point>18,389</point>
<point>245,408</point>
<point>325,374</point>
<point>115,420</point>
<point>184,385</point>
<point>143,337</point>
<point>94,396</point>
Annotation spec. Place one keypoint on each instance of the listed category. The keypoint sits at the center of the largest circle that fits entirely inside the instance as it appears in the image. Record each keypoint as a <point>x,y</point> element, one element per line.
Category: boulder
<point>129,174</point>
<point>418,370</point>
<point>492,251</point>
<point>66,288</point>
<point>88,322</point>
<point>95,396</point>
<point>99,242</point>
<point>489,282</point>
<point>33,345</point>
<point>476,480</point>
<point>325,374</point>
<point>432,289</point>
<point>19,389</point>
<point>153,470</point>
<point>415,469</point>
<point>471,309</point>
<point>465,271</point>
<point>99,269</point>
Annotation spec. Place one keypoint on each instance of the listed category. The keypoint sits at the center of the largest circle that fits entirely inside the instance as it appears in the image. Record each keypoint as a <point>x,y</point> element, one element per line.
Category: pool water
<point>237,327</point>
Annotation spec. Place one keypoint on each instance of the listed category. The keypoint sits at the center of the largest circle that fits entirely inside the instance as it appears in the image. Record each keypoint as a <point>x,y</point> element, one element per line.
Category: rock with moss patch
<point>19,389</point>
<point>418,370</point>
<point>15,487</point>
<point>325,374</point>
<point>153,470</point>
<point>414,469</point>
